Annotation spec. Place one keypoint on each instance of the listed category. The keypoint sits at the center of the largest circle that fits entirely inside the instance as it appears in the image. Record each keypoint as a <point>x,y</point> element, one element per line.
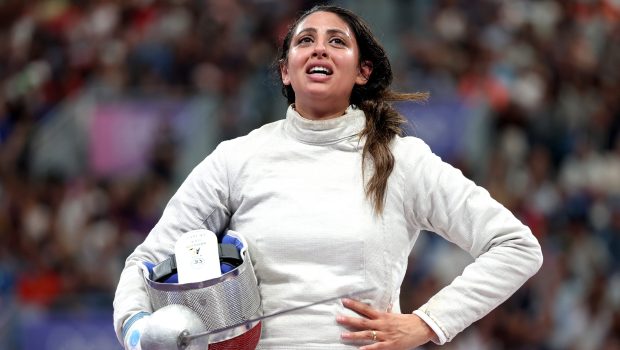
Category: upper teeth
<point>319,70</point>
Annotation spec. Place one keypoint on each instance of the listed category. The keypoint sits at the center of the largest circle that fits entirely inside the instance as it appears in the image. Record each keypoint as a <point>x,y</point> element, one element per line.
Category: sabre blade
<point>185,339</point>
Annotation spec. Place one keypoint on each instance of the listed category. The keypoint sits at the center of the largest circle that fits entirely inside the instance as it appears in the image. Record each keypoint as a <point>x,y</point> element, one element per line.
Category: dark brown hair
<point>383,122</point>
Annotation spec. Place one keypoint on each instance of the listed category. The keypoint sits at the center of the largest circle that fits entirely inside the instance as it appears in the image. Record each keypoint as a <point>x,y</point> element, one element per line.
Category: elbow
<point>537,257</point>
<point>534,255</point>
<point>526,253</point>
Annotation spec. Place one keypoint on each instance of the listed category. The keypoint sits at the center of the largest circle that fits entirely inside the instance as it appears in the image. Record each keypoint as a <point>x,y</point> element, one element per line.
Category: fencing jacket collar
<point>327,131</point>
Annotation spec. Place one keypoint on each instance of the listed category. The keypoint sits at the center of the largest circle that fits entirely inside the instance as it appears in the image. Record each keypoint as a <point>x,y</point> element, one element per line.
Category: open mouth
<point>319,70</point>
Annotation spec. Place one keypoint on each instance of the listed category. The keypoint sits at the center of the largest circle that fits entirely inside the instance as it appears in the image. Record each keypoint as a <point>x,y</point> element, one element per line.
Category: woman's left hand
<point>389,331</point>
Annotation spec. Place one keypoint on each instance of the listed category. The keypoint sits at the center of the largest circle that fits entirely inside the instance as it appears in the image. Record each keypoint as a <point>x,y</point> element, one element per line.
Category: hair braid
<point>383,123</point>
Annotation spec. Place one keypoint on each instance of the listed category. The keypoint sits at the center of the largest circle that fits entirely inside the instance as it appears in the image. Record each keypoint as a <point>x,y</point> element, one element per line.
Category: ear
<point>364,73</point>
<point>286,80</point>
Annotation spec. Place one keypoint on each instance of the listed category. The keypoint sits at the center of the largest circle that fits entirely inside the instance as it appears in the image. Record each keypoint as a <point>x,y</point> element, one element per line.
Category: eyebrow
<point>329,31</point>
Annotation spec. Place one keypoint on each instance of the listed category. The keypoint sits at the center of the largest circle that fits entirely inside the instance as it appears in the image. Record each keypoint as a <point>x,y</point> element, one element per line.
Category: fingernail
<point>346,300</point>
<point>339,318</point>
<point>345,335</point>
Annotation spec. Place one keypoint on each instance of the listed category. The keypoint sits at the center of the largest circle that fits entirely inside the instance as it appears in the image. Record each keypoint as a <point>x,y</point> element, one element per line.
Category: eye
<point>337,41</point>
<point>304,40</point>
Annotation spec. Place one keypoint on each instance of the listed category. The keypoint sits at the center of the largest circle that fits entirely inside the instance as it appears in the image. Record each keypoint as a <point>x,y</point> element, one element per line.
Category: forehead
<point>322,21</point>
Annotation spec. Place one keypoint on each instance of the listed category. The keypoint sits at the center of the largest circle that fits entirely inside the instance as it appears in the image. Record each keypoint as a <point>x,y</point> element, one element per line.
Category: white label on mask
<point>197,256</point>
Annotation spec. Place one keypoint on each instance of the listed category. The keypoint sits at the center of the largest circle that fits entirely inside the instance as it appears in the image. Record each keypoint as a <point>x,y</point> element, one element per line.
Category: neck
<point>316,112</point>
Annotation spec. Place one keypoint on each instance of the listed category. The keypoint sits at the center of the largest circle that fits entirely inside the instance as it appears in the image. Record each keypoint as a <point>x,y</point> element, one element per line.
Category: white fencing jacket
<point>294,189</point>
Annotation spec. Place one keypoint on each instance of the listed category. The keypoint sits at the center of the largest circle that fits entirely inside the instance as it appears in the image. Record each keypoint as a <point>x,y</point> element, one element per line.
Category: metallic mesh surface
<point>230,299</point>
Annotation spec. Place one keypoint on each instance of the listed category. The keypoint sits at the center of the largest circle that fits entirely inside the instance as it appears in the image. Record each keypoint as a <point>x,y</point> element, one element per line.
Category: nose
<point>319,50</point>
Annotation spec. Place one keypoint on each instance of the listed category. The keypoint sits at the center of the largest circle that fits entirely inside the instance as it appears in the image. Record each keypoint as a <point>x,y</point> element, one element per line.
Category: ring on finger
<point>374,335</point>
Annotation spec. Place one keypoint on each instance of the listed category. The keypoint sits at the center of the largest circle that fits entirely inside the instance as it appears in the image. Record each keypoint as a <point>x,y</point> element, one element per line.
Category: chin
<point>321,92</point>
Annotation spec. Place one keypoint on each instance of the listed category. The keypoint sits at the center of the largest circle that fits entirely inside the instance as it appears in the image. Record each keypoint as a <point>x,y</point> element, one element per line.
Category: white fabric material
<point>294,189</point>
<point>135,331</point>
<point>441,338</point>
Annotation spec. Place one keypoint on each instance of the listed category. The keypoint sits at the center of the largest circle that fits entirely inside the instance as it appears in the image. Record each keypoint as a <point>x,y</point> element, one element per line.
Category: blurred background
<point>106,105</point>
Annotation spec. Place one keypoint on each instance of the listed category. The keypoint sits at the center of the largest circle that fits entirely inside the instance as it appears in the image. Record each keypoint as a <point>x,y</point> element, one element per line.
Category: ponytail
<point>383,124</point>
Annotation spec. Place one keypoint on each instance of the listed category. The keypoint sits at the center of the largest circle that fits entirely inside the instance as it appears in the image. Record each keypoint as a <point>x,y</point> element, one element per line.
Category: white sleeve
<point>440,336</point>
<point>200,202</point>
<point>439,198</point>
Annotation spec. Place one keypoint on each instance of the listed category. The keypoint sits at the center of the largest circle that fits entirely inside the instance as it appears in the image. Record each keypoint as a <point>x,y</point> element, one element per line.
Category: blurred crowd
<point>542,78</point>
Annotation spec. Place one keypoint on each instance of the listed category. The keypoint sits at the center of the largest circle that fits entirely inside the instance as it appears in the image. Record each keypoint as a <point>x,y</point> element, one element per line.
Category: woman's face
<point>323,65</point>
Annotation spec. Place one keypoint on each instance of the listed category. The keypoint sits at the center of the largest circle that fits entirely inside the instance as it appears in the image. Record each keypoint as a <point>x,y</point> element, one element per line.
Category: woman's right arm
<point>202,201</point>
